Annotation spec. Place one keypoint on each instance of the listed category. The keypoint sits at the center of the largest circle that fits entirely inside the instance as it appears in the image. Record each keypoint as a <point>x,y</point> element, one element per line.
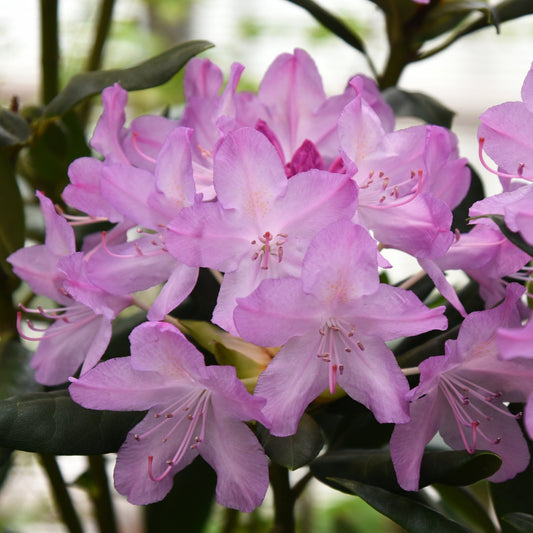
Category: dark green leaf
<point>332,23</point>
<point>447,16</point>
<point>50,422</point>
<point>374,467</point>
<point>44,163</point>
<point>461,503</point>
<point>412,515</point>
<point>119,345</point>
<point>475,193</point>
<point>187,504</point>
<point>16,376</point>
<point>13,128</point>
<point>150,73</point>
<point>298,449</point>
<point>349,424</point>
<point>513,236</point>
<point>503,12</point>
<point>414,104</point>
<point>522,522</point>
<point>11,213</point>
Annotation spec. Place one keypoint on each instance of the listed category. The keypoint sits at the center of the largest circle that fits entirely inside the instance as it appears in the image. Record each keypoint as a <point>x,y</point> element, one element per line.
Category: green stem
<point>49,50</point>
<point>94,61</point>
<point>60,493</point>
<point>230,520</point>
<point>101,495</point>
<point>283,500</point>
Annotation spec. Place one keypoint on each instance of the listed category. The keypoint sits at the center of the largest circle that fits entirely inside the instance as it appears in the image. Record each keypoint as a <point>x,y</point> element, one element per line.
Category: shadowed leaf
<point>51,422</point>
<point>413,515</point>
<point>150,73</point>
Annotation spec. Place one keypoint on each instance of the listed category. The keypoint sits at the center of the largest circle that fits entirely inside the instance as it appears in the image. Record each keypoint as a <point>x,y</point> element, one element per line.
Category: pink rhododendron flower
<point>193,410</point>
<point>516,344</point>
<point>81,326</point>
<point>261,223</point>
<point>409,180</point>
<point>333,324</point>
<point>506,134</point>
<point>462,395</point>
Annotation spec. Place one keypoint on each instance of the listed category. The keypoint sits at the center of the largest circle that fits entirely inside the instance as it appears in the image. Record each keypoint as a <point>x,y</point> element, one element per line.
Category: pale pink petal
<point>294,378</point>
<point>177,359</point>
<point>276,311</point>
<point>130,267</point>
<point>241,467</point>
<point>434,271</point>
<point>115,385</point>
<point>421,227</point>
<point>248,174</point>
<point>127,189</point>
<point>109,131</point>
<point>360,130</point>
<point>527,90</point>
<point>83,192</point>
<point>372,377</point>
<point>208,236</point>
<point>178,286</point>
<point>391,312</point>
<point>131,471</point>
<point>59,237</point>
<point>515,342</point>
<point>409,440</point>
<point>64,348</point>
<point>508,132</point>
<point>173,171</point>
<point>352,273</point>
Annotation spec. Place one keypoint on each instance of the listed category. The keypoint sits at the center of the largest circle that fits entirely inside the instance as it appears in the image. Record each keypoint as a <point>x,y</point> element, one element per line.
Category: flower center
<point>190,411</point>
<point>474,407</point>
<point>267,246</point>
<point>337,340</point>
<point>379,191</point>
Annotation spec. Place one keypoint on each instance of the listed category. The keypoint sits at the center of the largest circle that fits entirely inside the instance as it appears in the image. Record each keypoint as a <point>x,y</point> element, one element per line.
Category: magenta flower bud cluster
<point>291,195</point>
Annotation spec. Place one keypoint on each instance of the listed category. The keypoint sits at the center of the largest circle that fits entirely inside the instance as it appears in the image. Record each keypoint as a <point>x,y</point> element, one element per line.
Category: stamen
<point>520,170</point>
<point>134,136</point>
<point>137,247</point>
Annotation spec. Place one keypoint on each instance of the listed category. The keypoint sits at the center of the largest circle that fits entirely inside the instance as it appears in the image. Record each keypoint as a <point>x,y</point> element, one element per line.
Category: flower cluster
<point>292,196</point>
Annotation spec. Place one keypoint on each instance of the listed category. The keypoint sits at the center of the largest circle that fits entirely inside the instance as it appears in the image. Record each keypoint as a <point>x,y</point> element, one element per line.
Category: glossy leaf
<point>296,450</point>
<point>50,422</point>
<point>419,105</point>
<point>189,502</point>
<point>460,503</point>
<point>13,128</point>
<point>412,515</point>
<point>16,376</point>
<point>521,522</point>
<point>150,73</point>
<point>374,467</point>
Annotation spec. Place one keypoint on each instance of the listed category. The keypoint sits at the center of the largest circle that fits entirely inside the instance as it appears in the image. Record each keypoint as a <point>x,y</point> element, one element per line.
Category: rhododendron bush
<point>210,296</point>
